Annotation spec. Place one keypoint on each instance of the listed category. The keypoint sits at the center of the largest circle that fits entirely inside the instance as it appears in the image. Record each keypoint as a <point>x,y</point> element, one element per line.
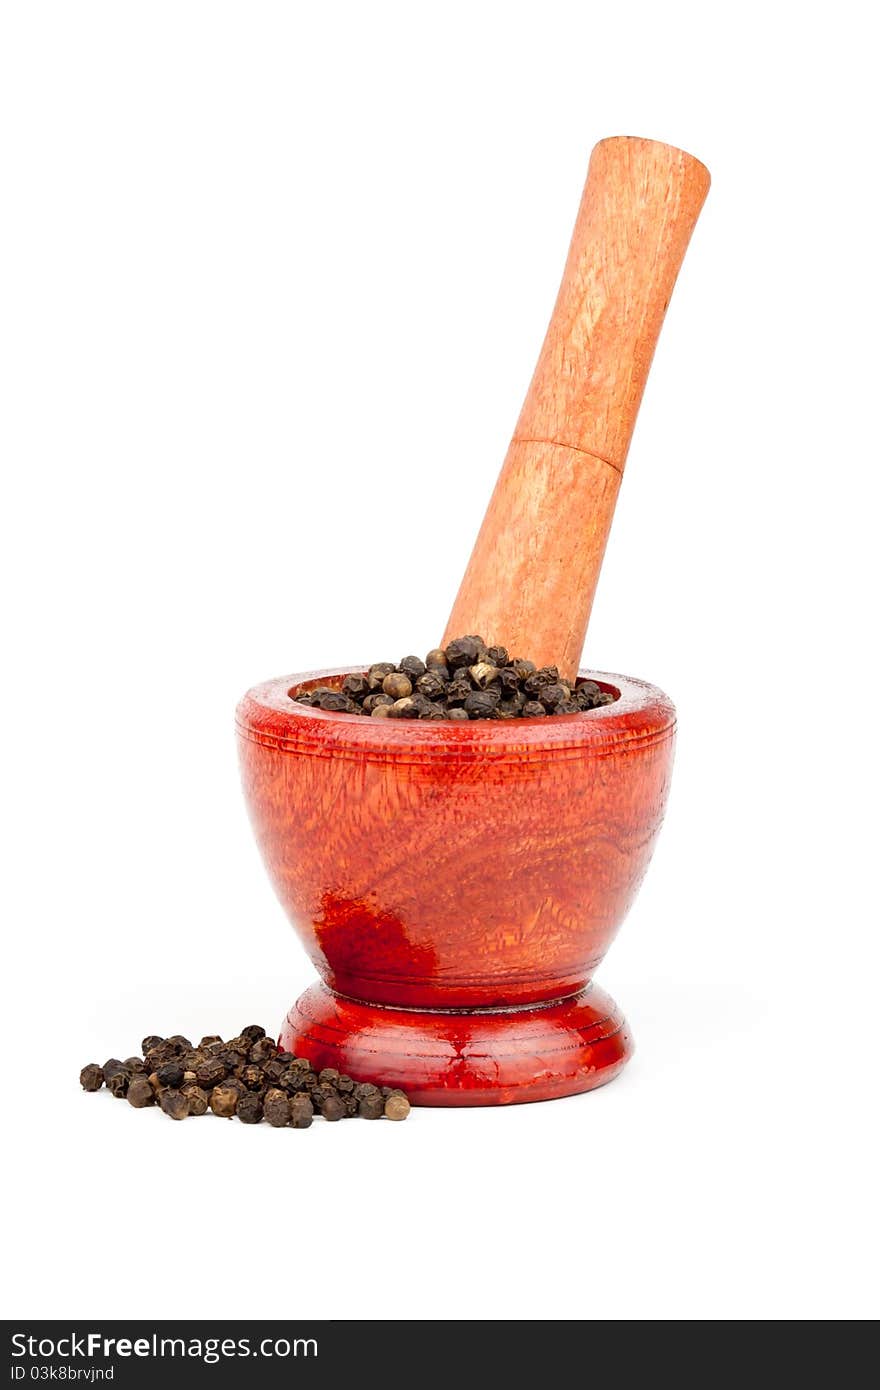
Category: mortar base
<point>467,1057</point>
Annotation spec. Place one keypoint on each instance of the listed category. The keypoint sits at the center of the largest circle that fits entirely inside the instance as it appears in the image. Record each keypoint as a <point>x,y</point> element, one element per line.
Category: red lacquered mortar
<point>456,885</point>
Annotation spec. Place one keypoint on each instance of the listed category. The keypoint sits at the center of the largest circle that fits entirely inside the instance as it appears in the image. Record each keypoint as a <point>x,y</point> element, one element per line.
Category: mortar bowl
<point>457,884</point>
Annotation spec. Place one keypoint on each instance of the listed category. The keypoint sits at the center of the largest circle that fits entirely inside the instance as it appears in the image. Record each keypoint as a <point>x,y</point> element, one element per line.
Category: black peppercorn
<point>483,675</point>
<point>464,651</point>
<point>333,1107</point>
<point>412,666</point>
<point>196,1099</point>
<point>211,1072</point>
<point>431,685</point>
<point>223,1100</point>
<point>153,1040</point>
<point>480,705</point>
<point>249,1108</point>
<point>373,701</point>
<point>539,680</point>
<point>377,673</point>
<point>140,1092</point>
<point>290,1079</point>
<point>397,1107</point>
<point>457,714</point>
<point>371,1107</point>
<point>276,1107</point>
<point>334,702</point>
<point>355,686</point>
<point>397,685</point>
<point>301,1111</point>
<point>174,1104</point>
<point>587,687</point>
<point>246,1077</point>
<point>523,668</point>
<point>457,692</point>
<point>252,1076</point>
<point>440,686</point>
<point>407,708</point>
<point>553,695</point>
<point>533,709</point>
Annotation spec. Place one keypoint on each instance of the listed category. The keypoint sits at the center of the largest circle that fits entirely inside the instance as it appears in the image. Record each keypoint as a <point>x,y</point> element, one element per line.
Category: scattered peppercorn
<point>301,1111</point>
<point>196,1099</point>
<point>211,1072</point>
<point>372,1107</point>
<point>249,1108</point>
<point>246,1077</point>
<point>444,684</point>
<point>276,1107</point>
<point>223,1100</point>
<point>333,1107</point>
<point>174,1103</point>
<point>140,1092</point>
<point>397,1106</point>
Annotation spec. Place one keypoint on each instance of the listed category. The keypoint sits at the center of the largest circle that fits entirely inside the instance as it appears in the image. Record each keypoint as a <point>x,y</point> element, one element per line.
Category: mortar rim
<point>642,714</point>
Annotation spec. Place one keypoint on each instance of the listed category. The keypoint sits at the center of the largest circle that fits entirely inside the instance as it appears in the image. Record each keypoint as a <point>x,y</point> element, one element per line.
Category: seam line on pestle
<point>560,444</point>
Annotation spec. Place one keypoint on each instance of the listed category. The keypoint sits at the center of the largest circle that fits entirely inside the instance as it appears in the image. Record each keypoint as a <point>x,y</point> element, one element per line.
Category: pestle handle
<point>533,572</point>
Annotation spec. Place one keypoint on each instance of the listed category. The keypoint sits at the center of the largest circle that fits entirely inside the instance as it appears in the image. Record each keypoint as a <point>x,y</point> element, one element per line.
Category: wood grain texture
<point>533,572</point>
<point>456,866</point>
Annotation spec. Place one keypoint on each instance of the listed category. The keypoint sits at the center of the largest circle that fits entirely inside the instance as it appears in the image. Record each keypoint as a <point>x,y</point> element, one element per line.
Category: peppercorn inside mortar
<point>466,679</point>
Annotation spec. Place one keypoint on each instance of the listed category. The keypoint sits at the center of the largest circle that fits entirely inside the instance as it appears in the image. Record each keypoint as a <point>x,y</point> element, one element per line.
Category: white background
<point>274,280</point>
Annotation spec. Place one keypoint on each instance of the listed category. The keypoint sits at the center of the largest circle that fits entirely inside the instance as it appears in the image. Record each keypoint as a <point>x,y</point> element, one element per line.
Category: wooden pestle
<point>533,572</point>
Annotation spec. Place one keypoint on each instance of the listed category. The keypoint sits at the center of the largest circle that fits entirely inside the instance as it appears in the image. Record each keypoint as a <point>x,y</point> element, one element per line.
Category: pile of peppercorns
<point>463,680</point>
<point>247,1077</point>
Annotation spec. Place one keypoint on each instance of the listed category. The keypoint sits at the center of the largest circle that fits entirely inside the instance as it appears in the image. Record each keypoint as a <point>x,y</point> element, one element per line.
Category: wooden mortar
<point>457,884</point>
<point>533,572</point>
